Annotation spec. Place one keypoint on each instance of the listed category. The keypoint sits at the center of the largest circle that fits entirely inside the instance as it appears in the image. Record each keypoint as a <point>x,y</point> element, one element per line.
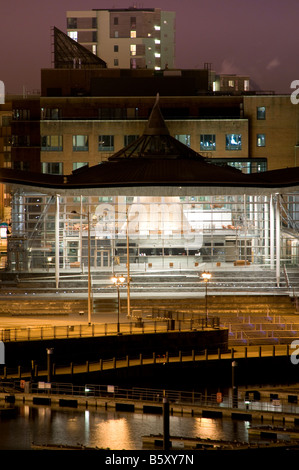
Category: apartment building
<point>126,38</point>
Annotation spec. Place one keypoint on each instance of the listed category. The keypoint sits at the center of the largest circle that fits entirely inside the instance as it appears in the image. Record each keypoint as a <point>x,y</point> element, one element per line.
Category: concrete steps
<point>239,281</point>
<point>32,307</point>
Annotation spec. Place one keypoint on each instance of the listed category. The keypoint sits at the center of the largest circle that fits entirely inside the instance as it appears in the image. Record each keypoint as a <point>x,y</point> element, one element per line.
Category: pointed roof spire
<point>156,142</point>
<point>156,124</point>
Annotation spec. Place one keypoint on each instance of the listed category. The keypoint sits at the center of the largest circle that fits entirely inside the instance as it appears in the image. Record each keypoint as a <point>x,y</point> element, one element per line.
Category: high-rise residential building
<point>126,38</point>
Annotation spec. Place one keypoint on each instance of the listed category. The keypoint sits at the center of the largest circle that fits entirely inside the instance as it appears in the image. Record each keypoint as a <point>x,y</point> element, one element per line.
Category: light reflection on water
<point>106,429</point>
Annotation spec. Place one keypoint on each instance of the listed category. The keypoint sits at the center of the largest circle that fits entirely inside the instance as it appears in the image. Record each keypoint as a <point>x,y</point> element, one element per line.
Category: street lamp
<point>118,280</point>
<point>206,277</point>
<point>88,256</point>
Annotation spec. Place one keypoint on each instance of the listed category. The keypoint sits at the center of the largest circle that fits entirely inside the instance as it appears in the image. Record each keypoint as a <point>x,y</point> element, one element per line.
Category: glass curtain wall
<point>162,232</point>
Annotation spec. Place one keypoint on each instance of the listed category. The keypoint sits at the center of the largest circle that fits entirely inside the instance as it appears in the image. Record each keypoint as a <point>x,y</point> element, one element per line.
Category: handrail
<point>241,352</point>
<point>154,397</point>
<point>138,326</point>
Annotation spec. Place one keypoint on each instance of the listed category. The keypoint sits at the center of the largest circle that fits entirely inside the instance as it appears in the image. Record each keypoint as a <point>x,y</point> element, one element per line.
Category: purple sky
<point>259,38</point>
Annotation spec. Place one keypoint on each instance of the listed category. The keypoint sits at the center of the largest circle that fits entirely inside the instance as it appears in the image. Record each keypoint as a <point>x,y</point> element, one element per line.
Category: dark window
<point>106,143</point>
<point>72,23</point>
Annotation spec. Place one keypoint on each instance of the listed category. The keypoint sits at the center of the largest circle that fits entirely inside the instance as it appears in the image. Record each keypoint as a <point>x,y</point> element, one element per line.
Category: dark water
<point>105,429</point>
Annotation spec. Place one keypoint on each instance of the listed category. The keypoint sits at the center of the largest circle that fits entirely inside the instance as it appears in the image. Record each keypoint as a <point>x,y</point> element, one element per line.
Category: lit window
<point>51,143</point>
<point>261,112</point>
<point>133,49</point>
<point>80,143</point>
<point>132,34</point>
<point>233,142</point>
<point>157,28</point>
<point>77,165</point>
<point>261,140</point>
<point>246,85</point>
<point>231,83</point>
<point>94,49</point>
<point>184,138</point>
<point>73,35</point>
<point>157,54</point>
<point>53,168</point>
<point>208,142</point>
<point>157,41</point>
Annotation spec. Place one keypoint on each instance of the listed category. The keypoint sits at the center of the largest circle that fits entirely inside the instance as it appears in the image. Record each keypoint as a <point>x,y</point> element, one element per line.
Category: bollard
<point>87,366</point>
<point>166,437</point>
<point>49,355</point>
<point>141,359</point>
<point>154,358</point>
<point>128,361</point>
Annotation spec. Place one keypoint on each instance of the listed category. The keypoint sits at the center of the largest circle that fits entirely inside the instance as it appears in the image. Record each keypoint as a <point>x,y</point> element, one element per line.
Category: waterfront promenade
<point>115,363</point>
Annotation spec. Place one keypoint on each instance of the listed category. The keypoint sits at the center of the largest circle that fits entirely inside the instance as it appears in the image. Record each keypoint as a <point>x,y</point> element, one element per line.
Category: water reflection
<point>105,429</point>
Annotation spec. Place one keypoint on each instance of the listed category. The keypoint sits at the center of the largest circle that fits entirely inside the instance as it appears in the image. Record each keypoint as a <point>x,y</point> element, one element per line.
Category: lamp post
<point>206,277</point>
<point>118,280</point>
<point>88,256</point>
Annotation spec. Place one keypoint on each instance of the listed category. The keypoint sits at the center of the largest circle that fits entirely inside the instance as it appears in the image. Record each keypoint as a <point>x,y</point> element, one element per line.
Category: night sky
<point>259,38</point>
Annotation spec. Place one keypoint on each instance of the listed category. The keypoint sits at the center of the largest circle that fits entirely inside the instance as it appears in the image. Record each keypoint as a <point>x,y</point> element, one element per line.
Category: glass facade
<point>162,232</point>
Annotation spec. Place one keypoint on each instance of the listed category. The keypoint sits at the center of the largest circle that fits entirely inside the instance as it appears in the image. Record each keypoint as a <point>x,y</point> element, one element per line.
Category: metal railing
<point>181,398</point>
<point>138,326</point>
<point>69,369</point>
